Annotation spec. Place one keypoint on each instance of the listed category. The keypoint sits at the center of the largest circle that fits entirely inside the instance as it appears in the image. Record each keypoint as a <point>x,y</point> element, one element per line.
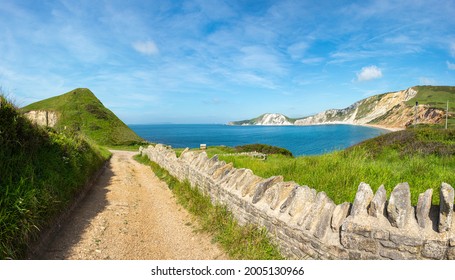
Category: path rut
<point>130,214</point>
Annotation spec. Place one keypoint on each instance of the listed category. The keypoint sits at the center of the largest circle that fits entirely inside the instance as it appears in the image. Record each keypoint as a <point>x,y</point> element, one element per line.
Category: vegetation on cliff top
<point>80,110</point>
<point>41,171</point>
<point>436,97</point>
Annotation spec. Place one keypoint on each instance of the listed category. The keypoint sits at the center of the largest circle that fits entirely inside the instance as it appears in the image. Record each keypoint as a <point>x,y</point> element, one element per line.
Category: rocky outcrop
<point>308,224</point>
<point>273,119</point>
<point>44,118</point>
<point>384,109</point>
<point>266,119</point>
<point>387,110</point>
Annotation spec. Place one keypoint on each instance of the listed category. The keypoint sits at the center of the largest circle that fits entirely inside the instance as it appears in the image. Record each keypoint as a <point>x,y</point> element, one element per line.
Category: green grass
<point>240,242</point>
<point>423,157</point>
<point>79,110</point>
<point>132,147</point>
<point>40,173</point>
<point>435,97</point>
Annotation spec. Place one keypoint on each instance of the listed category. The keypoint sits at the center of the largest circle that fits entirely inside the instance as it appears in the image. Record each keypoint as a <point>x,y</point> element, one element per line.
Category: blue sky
<point>216,61</point>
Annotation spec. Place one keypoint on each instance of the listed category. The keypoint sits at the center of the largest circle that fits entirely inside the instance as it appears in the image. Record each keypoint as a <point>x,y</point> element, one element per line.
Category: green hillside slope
<point>80,110</point>
<point>41,171</point>
<point>436,97</point>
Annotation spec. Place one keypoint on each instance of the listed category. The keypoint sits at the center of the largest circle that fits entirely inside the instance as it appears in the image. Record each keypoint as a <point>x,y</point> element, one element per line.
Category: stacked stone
<point>377,229</point>
<point>307,223</point>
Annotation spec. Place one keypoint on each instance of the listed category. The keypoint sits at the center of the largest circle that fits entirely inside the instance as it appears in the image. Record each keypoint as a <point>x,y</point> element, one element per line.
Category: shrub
<point>263,148</point>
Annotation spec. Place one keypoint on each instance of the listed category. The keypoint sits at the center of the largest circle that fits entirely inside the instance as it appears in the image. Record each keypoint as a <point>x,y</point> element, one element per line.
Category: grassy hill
<point>41,171</point>
<point>436,97</point>
<point>80,110</point>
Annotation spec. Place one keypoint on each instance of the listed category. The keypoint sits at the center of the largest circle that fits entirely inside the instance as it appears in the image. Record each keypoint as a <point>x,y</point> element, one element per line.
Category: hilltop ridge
<point>80,110</point>
<point>390,110</point>
<point>42,174</point>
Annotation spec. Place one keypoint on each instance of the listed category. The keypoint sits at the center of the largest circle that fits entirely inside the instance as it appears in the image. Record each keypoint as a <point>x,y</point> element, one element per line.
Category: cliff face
<point>273,119</point>
<point>388,109</point>
<point>44,118</point>
<point>393,110</point>
<point>266,119</point>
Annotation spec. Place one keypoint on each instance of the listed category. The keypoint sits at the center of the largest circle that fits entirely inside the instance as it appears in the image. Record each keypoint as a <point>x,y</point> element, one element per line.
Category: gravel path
<point>130,214</point>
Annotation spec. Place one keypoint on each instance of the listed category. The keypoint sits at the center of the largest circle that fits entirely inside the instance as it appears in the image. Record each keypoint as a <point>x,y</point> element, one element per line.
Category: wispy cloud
<point>261,59</point>
<point>427,81</point>
<point>369,73</point>
<point>450,66</point>
<point>297,50</point>
<point>146,47</point>
<point>312,60</point>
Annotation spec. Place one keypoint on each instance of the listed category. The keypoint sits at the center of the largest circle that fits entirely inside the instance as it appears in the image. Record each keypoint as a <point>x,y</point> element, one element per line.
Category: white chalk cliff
<point>388,110</point>
<point>266,119</point>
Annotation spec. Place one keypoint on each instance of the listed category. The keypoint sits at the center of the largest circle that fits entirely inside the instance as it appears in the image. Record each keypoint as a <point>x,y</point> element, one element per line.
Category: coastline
<point>390,129</point>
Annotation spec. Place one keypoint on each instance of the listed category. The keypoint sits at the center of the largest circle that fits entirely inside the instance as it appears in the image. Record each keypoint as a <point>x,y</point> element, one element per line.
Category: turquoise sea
<point>300,140</point>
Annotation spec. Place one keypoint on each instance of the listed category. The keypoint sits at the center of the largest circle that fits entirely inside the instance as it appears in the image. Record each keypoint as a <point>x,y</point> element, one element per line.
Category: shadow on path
<point>71,229</point>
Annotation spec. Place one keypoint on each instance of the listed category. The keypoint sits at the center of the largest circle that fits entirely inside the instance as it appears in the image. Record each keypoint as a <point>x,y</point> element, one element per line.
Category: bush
<point>410,142</point>
<point>263,148</point>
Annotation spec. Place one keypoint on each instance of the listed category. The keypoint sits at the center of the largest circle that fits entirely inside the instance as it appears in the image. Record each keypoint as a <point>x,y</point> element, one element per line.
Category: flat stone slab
<point>339,215</point>
<point>362,199</point>
<point>263,186</point>
<point>446,196</point>
<point>378,203</point>
<point>423,208</point>
<point>399,207</point>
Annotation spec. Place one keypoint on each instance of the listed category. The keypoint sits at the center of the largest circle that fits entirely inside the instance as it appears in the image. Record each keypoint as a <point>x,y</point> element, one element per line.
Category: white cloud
<point>313,60</point>
<point>369,73</point>
<point>261,59</point>
<point>146,47</point>
<point>451,66</point>
<point>297,50</point>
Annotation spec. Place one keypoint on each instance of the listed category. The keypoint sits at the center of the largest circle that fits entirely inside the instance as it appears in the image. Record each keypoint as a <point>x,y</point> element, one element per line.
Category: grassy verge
<point>131,148</point>
<point>423,157</point>
<point>240,242</point>
<point>41,171</point>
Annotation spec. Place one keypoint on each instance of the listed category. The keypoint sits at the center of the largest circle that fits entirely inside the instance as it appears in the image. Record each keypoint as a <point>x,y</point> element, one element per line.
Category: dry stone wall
<point>308,224</point>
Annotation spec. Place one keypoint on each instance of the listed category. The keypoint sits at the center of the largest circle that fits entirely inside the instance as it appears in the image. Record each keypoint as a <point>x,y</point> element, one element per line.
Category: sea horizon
<point>300,140</point>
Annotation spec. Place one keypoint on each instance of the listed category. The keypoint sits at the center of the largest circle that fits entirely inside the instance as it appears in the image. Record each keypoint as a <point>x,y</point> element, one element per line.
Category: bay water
<point>300,140</point>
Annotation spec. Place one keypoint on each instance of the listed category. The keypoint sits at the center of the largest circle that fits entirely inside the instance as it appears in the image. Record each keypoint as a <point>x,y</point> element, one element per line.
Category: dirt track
<point>130,214</point>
